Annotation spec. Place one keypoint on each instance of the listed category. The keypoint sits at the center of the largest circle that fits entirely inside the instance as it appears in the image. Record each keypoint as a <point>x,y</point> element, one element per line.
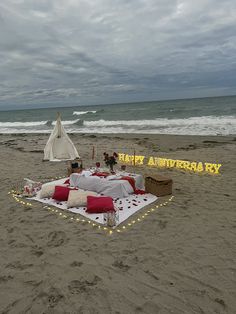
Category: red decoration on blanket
<point>101,174</point>
<point>130,180</point>
<point>132,183</point>
<point>67,181</point>
<point>99,204</point>
<point>139,192</point>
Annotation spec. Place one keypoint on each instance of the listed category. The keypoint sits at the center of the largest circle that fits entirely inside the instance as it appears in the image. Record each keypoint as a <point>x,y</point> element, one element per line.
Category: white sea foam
<point>164,122</point>
<point>22,130</point>
<point>21,124</point>
<point>206,125</point>
<point>34,124</point>
<point>78,113</point>
<point>68,122</point>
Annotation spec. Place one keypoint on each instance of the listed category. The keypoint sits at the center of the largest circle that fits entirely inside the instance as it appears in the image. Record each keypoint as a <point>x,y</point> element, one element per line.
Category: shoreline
<point>119,134</point>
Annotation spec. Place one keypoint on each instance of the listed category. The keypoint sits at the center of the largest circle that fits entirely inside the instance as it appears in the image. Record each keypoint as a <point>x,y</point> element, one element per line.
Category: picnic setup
<point>104,195</point>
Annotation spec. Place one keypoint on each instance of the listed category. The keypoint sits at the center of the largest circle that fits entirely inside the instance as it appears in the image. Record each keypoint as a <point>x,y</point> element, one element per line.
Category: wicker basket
<point>158,185</point>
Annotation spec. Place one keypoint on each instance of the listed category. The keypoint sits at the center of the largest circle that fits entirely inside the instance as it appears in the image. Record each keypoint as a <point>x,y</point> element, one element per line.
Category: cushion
<point>99,204</point>
<point>47,191</point>
<point>74,179</point>
<point>78,198</point>
<point>61,193</point>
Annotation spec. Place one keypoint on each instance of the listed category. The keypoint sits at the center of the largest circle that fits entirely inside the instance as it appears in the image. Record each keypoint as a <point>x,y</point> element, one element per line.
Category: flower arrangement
<point>110,160</point>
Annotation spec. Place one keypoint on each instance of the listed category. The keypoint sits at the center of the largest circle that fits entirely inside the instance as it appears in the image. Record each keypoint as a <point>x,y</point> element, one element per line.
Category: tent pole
<point>134,156</point>
<point>93,152</point>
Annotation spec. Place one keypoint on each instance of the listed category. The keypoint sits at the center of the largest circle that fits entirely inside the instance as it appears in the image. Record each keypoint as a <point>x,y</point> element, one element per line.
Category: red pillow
<point>61,193</point>
<point>99,204</point>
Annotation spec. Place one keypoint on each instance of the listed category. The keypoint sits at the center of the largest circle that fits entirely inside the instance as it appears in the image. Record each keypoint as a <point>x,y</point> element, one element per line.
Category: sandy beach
<point>181,259</point>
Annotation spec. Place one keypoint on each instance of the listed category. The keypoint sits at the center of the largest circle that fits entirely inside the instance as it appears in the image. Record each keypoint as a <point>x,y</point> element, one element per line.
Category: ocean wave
<point>22,124</point>
<point>48,123</point>
<point>206,125</point>
<point>78,113</point>
<point>22,131</point>
<point>165,122</point>
<point>79,122</point>
<point>69,122</point>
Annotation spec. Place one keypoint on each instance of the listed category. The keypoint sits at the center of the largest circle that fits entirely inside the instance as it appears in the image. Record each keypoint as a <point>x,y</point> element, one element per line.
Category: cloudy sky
<point>73,52</point>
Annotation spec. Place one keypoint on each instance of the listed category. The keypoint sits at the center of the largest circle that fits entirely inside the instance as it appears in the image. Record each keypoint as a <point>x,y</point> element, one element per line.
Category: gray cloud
<point>55,52</point>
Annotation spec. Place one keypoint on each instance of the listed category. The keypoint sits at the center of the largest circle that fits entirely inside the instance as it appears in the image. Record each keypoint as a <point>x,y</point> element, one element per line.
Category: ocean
<point>203,116</point>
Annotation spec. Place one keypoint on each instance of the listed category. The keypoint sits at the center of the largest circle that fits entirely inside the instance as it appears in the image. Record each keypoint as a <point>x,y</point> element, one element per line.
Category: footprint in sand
<point>79,286</point>
<point>5,278</point>
<point>56,238</point>
<point>220,301</point>
<point>18,265</point>
<point>121,265</point>
<point>162,224</point>
<point>76,264</point>
<point>53,300</point>
<point>37,250</point>
<point>51,297</point>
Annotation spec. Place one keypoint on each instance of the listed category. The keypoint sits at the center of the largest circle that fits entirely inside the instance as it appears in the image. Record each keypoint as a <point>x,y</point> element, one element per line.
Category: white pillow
<point>47,191</point>
<point>78,198</point>
<point>86,173</point>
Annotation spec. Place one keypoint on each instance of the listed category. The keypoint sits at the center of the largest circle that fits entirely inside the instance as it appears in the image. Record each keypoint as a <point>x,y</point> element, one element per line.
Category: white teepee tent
<point>59,146</point>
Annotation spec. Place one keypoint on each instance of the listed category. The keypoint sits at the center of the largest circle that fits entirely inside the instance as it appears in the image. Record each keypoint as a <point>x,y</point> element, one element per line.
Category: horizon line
<point>118,103</point>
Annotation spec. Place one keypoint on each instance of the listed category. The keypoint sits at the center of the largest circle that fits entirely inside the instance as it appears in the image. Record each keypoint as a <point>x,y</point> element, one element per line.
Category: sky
<point>73,52</point>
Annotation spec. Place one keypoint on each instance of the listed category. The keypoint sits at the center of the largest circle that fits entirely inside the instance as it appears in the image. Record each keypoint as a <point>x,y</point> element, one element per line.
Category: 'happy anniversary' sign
<point>195,166</point>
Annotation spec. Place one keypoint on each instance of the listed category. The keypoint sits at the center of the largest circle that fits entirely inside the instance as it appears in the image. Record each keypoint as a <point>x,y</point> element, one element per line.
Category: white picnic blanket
<point>127,206</point>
